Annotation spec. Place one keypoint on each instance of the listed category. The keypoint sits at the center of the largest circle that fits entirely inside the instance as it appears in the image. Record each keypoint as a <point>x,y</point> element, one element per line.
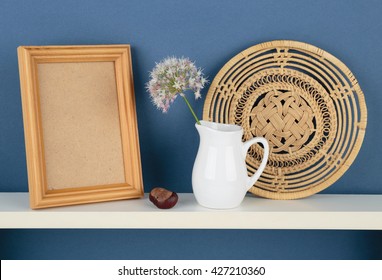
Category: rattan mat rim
<point>305,47</point>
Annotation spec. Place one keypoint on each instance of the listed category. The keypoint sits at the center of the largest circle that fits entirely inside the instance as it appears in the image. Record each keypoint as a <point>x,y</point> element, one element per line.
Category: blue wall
<point>209,32</point>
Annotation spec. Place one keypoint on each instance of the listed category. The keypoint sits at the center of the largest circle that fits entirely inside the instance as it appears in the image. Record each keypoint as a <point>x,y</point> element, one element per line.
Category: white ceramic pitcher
<point>219,176</point>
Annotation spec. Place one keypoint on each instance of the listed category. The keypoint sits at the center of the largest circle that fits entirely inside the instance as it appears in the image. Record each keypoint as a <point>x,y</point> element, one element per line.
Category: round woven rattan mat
<point>304,101</point>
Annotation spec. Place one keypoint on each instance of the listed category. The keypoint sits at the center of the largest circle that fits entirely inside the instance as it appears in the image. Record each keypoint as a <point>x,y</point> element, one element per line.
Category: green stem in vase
<point>192,111</point>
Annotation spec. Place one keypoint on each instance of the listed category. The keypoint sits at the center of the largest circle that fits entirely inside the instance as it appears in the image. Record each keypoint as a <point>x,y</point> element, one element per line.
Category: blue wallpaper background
<point>210,33</point>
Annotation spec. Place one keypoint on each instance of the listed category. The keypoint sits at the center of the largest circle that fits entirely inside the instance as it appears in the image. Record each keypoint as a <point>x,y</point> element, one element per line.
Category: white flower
<point>173,76</point>
<point>191,81</point>
<point>203,81</point>
<point>177,85</point>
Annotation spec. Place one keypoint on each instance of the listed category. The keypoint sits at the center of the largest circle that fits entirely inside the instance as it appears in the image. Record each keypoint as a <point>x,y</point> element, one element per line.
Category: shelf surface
<point>320,211</point>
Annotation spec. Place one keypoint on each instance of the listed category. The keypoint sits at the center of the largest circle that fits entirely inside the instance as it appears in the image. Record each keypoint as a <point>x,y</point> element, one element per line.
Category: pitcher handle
<point>246,145</point>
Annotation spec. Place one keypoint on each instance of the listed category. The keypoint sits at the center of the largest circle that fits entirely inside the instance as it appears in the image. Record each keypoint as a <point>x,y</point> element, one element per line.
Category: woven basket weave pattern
<point>304,101</point>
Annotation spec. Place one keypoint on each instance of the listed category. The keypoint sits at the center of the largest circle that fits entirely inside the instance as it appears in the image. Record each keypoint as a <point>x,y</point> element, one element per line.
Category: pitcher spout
<point>218,132</point>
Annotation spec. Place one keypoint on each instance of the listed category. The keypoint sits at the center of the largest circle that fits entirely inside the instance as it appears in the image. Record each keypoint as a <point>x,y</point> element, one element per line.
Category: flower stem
<point>192,111</point>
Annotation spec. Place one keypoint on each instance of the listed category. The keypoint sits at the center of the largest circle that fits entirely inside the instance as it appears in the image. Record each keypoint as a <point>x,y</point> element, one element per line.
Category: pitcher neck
<point>219,132</point>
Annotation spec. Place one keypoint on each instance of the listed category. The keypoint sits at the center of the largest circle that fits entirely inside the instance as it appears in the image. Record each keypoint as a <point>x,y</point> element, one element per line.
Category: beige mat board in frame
<point>80,124</point>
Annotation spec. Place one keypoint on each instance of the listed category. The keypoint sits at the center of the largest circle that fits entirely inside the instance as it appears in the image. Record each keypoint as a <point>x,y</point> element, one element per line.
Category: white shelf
<point>362,212</point>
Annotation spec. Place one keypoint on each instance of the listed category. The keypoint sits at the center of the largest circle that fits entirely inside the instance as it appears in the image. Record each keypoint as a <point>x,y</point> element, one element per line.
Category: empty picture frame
<point>80,124</point>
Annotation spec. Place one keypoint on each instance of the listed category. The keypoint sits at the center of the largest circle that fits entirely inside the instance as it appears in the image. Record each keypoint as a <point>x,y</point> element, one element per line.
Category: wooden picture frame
<point>80,124</point>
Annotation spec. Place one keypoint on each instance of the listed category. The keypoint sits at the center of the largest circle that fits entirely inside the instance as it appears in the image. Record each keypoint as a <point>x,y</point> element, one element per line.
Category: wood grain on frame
<point>80,124</point>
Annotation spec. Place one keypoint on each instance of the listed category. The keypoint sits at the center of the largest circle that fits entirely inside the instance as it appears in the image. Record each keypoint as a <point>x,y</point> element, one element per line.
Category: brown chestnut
<point>162,198</point>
